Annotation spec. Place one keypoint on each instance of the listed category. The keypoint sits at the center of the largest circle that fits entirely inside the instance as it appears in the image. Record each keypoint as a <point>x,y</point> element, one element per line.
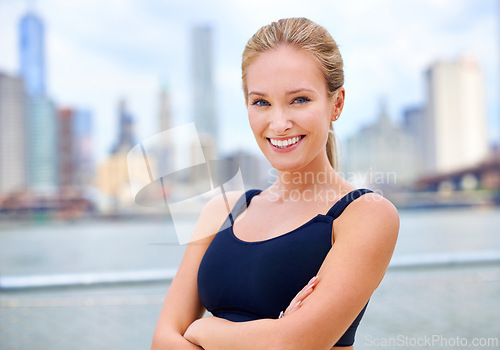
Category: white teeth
<point>285,143</point>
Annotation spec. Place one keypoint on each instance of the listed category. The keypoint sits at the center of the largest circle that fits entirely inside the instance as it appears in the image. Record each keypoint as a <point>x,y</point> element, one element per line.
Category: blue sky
<point>100,51</point>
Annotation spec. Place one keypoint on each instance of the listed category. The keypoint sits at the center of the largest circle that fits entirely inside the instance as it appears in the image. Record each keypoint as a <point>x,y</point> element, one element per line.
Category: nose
<point>280,121</point>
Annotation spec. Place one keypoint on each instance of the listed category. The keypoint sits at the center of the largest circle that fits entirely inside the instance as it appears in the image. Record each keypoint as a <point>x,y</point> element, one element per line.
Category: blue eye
<point>302,100</point>
<point>260,103</point>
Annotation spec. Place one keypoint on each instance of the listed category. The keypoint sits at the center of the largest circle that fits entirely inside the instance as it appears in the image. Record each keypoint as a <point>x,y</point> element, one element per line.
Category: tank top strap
<point>250,194</point>
<point>339,207</point>
<point>242,204</point>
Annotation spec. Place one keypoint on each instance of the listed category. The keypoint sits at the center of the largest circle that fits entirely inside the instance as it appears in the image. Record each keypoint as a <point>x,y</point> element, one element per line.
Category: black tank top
<point>243,281</point>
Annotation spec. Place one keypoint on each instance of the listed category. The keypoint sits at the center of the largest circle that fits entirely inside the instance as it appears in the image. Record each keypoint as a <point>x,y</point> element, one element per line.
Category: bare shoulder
<point>213,216</point>
<point>219,204</point>
<point>370,214</point>
<point>216,211</point>
<point>374,204</point>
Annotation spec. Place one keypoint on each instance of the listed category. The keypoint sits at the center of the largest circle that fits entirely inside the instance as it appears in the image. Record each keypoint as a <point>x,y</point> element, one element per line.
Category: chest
<point>260,278</point>
<point>265,222</point>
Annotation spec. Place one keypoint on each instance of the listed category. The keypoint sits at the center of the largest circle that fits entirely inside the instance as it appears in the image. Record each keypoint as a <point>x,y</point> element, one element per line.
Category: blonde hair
<point>310,37</point>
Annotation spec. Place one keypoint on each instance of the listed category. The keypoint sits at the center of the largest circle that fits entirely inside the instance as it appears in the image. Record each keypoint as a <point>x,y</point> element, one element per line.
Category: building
<point>83,156</point>
<point>164,110</point>
<point>381,156</point>
<point>41,120</point>
<point>112,176</point>
<point>166,148</point>
<point>42,141</point>
<point>413,124</point>
<point>12,134</point>
<point>126,135</point>
<point>203,90</point>
<point>32,53</point>
<point>455,117</point>
<point>113,182</point>
<point>66,148</point>
<point>76,164</point>
<point>255,169</point>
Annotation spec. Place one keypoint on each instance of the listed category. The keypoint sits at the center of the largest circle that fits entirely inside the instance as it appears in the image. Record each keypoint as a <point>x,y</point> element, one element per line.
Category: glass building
<point>32,55</point>
<point>41,119</point>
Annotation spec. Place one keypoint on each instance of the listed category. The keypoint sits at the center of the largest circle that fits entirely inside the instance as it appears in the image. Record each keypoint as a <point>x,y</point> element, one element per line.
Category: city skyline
<point>151,54</point>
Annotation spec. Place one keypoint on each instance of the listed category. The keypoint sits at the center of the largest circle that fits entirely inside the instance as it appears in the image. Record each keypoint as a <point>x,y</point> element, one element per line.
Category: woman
<point>310,225</point>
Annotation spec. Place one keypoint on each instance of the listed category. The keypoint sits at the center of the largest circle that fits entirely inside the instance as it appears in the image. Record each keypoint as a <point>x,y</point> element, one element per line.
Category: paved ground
<point>412,309</point>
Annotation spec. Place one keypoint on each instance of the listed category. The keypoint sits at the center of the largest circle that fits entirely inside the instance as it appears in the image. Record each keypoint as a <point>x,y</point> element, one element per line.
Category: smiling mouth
<point>282,144</point>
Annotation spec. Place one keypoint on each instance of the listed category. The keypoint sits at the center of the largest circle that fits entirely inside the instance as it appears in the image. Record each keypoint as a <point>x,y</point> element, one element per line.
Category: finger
<point>295,307</point>
<point>304,293</point>
<point>307,288</point>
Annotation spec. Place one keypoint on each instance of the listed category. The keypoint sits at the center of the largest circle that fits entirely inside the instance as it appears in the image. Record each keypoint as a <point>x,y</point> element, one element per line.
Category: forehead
<point>285,68</point>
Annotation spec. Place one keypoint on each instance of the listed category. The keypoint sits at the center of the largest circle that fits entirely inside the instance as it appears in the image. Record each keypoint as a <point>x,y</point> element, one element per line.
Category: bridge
<point>485,175</point>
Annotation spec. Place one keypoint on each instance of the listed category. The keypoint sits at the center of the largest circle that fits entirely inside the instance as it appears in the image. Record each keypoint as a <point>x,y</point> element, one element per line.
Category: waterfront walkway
<point>414,308</point>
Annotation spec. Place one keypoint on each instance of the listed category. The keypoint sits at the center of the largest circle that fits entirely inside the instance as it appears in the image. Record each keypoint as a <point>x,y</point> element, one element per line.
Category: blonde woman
<point>298,262</point>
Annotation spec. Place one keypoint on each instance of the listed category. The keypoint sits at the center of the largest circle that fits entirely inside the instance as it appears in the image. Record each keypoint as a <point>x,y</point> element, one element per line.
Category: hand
<point>193,331</point>
<point>200,328</point>
<point>301,296</point>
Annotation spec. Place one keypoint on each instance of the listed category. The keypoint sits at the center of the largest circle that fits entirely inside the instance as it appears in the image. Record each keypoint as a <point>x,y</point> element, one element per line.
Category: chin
<point>283,165</point>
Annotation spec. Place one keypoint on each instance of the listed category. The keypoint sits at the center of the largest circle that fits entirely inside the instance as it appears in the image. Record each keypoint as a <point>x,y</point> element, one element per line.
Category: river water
<point>106,246</point>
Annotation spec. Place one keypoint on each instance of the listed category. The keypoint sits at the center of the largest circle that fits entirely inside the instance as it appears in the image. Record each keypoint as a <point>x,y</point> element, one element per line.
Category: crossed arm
<point>350,273</point>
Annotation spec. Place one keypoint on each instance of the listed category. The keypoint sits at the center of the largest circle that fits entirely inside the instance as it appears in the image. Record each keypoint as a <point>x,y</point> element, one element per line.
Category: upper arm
<point>365,238</point>
<point>182,305</point>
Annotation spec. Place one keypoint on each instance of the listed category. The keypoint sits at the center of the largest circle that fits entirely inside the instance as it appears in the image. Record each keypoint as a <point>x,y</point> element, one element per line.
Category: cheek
<point>317,122</point>
<point>255,124</point>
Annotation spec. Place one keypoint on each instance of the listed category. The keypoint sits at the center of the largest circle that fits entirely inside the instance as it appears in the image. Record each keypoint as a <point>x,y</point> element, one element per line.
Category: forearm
<point>213,333</point>
<point>172,340</point>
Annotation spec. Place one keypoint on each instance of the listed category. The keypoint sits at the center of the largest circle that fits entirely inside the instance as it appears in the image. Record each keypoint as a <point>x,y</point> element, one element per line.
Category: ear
<point>338,103</point>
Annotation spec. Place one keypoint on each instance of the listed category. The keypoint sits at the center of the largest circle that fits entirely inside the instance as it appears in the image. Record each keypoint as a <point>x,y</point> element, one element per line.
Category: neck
<point>315,177</point>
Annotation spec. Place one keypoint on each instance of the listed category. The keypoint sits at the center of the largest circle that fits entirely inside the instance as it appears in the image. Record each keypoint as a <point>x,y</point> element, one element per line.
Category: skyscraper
<point>43,160</point>
<point>32,53</point>
<point>76,166</point>
<point>126,136</point>
<point>42,156</point>
<point>414,126</point>
<point>166,148</point>
<point>12,134</point>
<point>83,156</point>
<point>455,117</point>
<point>164,113</point>
<point>66,148</point>
<point>203,90</point>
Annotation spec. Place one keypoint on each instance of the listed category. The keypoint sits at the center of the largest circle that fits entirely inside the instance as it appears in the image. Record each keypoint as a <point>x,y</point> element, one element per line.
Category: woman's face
<point>289,108</point>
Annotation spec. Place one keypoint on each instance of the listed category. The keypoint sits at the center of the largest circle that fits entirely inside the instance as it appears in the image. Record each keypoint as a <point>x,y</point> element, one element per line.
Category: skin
<point>287,98</point>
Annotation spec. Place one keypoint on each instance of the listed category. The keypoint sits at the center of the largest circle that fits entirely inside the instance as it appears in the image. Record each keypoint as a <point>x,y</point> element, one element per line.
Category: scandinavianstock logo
<point>175,169</point>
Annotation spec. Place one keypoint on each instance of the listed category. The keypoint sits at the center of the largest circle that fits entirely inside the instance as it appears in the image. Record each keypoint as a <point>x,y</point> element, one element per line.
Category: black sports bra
<point>243,281</point>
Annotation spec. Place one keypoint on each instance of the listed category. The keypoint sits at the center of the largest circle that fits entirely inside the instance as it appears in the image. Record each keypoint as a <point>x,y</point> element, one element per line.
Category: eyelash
<point>306,99</point>
<point>256,102</point>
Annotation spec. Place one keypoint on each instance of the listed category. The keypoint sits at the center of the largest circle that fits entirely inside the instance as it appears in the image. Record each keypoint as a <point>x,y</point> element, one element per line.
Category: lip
<point>288,149</point>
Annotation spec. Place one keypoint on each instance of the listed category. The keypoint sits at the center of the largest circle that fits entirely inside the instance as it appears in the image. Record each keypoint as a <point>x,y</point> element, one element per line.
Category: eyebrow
<point>291,92</point>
